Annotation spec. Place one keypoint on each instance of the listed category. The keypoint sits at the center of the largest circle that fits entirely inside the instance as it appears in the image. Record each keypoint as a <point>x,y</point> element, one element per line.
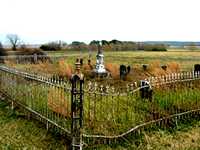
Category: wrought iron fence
<point>29,59</point>
<point>112,115</point>
<point>48,99</point>
<point>109,114</point>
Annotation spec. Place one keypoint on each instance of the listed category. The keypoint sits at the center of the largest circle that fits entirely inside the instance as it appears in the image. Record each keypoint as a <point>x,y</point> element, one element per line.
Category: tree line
<point>113,45</point>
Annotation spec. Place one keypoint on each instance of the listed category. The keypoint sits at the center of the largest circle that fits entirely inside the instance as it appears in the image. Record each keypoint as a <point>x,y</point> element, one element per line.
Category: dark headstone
<point>197,68</point>
<point>81,61</point>
<point>164,67</point>
<point>123,72</point>
<point>128,69</point>
<point>89,62</point>
<point>144,66</point>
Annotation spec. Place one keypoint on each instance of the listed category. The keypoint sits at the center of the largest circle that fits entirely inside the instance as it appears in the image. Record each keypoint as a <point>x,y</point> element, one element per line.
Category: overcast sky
<point>37,21</point>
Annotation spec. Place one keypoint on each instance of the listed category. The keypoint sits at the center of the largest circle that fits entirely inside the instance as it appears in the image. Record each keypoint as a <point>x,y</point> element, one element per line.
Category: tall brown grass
<point>64,69</point>
<point>173,67</point>
<point>58,103</point>
<point>113,69</point>
<point>156,70</point>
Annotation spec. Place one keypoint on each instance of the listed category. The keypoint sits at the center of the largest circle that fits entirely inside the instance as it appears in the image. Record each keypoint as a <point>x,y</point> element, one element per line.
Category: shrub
<point>155,47</point>
<point>53,46</point>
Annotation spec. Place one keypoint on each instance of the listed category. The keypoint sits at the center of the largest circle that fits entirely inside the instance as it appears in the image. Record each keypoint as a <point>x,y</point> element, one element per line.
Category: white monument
<point>100,69</point>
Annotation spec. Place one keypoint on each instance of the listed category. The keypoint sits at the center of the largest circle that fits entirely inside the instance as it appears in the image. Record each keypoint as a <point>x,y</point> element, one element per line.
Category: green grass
<point>18,133</point>
<point>185,136</point>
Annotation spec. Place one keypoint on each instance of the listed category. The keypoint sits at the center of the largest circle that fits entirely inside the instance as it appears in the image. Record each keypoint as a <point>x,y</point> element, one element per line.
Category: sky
<point>40,21</point>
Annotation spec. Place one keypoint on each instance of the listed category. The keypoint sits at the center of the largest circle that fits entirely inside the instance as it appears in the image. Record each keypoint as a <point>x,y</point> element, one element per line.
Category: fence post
<point>77,81</point>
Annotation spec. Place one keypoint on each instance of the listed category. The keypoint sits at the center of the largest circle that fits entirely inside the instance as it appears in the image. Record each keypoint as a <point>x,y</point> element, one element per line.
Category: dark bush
<point>53,46</point>
<point>154,47</point>
<point>159,49</point>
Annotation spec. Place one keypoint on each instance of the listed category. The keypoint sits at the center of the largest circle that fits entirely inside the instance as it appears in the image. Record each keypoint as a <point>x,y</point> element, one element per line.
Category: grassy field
<point>175,60</point>
<point>18,133</point>
<point>185,58</point>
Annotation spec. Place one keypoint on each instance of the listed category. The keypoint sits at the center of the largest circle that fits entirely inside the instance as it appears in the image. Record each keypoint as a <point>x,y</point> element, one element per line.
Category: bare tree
<point>14,40</point>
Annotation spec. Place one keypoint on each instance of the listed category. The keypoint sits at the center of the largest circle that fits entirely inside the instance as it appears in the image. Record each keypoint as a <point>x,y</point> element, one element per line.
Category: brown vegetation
<point>87,69</point>
<point>64,70</point>
<point>58,103</point>
<point>155,68</point>
<point>113,69</point>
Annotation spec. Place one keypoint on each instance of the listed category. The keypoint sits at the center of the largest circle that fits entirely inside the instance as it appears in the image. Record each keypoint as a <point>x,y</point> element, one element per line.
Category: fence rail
<point>46,98</point>
<point>109,114</point>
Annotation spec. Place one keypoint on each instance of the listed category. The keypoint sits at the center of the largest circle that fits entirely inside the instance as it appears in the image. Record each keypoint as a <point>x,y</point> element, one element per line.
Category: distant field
<point>185,58</point>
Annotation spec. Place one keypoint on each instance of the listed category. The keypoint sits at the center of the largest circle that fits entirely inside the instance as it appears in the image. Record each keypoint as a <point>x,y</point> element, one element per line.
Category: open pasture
<point>186,58</point>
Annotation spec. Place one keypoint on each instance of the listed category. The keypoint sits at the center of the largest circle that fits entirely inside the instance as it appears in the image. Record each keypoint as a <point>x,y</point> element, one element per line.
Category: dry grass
<point>64,70</point>
<point>9,63</point>
<point>155,69</point>
<point>45,67</point>
<point>113,69</point>
<point>173,67</point>
<point>58,104</point>
<point>87,69</point>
